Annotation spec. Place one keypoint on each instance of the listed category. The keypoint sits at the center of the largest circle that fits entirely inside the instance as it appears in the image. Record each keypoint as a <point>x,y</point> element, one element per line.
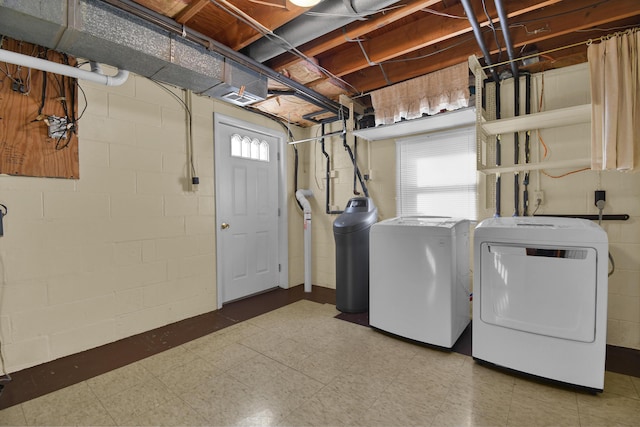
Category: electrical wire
<point>538,203</point>
<point>545,173</point>
<point>189,115</point>
<point>624,27</point>
<point>415,58</point>
<point>3,368</point>
<point>557,15</point>
<point>546,148</point>
<point>356,15</point>
<point>275,38</point>
<point>493,29</point>
<point>446,15</point>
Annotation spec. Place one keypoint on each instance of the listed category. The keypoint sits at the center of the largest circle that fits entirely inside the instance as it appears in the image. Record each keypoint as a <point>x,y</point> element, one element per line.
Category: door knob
<point>224,226</point>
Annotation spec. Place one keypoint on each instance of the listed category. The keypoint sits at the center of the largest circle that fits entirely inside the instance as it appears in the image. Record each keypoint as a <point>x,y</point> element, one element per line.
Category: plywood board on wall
<point>33,103</point>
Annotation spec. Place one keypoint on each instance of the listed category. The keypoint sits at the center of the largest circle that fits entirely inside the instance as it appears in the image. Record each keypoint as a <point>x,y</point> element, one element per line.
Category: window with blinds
<point>437,174</point>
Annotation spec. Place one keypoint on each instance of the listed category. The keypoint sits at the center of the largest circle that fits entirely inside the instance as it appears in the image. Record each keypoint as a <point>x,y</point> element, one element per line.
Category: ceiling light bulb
<point>305,3</point>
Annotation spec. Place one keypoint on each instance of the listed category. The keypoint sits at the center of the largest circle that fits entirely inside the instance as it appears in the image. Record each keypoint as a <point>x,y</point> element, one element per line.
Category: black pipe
<point>355,176</point>
<point>504,24</point>
<point>471,16</point>
<point>327,176</point>
<point>353,160</point>
<point>620,217</point>
<point>295,178</point>
<point>516,147</point>
<point>527,145</point>
<point>498,152</point>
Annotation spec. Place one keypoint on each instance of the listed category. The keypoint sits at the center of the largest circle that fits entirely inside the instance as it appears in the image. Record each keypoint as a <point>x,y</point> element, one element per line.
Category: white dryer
<point>419,278</point>
<point>540,297</point>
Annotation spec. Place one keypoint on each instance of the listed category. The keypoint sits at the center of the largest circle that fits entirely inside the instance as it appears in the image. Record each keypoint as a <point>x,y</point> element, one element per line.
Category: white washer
<point>540,297</point>
<point>419,278</point>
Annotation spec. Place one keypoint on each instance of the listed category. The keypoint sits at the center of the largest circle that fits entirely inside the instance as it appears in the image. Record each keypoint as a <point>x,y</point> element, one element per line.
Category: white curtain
<point>446,89</point>
<point>614,66</point>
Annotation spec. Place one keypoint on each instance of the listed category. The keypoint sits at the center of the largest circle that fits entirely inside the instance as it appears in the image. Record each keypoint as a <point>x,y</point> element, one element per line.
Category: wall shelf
<point>523,167</point>
<point>545,119</point>
<point>438,122</point>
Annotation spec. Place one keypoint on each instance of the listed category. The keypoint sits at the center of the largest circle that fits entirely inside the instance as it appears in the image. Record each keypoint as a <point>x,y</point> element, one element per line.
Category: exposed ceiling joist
<point>406,39</point>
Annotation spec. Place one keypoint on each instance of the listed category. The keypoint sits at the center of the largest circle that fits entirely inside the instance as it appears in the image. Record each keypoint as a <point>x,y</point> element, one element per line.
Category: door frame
<point>282,232</point>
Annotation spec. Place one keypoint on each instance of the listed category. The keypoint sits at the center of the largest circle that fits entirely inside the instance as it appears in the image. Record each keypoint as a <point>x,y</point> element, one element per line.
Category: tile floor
<point>299,366</point>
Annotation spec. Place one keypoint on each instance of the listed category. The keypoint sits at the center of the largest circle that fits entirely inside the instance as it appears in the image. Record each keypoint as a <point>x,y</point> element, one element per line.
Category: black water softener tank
<point>351,233</point>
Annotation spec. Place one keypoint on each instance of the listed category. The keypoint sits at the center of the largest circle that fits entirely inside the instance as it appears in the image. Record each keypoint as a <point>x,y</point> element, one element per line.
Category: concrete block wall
<point>127,247</point>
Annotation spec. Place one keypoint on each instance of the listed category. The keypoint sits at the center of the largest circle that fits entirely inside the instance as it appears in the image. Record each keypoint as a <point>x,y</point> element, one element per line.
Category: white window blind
<point>437,174</point>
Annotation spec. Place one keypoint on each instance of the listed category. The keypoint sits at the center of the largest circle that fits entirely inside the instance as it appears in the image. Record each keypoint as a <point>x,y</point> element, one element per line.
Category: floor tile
<point>167,360</point>
<point>621,384</point>
<point>452,415</point>
<point>610,406</point>
<point>13,416</point>
<point>322,366</point>
<point>328,408</point>
<point>263,341</point>
<point>221,400</point>
<point>299,366</point>
<point>587,420</point>
<point>481,397</point>
<point>257,371</point>
<point>120,379</point>
<point>557,396</point>
<point>229,356</point>
<point>172,413</point>
<point>127,407</point>
<point>186,377</point>
<point>74,405</point>
<point>363,388</point>
<point>528,412</point>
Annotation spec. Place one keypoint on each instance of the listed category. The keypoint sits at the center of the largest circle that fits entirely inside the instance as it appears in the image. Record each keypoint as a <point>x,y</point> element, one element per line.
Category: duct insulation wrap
<point>302,195</point>
<point>100,32</point>
<point>335,14</point>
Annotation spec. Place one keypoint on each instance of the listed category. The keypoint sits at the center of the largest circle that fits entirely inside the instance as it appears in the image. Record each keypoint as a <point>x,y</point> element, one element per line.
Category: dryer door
<point>546,290</point>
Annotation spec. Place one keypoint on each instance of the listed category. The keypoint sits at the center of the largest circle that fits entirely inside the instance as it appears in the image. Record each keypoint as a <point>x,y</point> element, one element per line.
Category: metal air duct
<point>103,33</point>
<point>308,27</point>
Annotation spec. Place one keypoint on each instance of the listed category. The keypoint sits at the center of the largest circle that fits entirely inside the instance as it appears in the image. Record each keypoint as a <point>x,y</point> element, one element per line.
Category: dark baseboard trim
<point>39,380</point>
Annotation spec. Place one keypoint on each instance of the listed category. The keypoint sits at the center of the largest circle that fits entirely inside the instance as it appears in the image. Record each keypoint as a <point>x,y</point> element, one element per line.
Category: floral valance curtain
<point>446,89</point>
<point>614,66</point>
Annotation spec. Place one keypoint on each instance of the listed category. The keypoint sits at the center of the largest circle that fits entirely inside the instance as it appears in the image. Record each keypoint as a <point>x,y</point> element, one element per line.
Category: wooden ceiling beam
<point>263,18</point>
<point>190,11</point>
<point>427,31</point>
<point>372,78</point>
<point>561,29</point>
<point>565,19</point>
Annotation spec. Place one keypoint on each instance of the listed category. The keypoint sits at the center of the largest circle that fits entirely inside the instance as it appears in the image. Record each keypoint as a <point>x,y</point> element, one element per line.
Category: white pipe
<point>302,195</point>
<point>65,70</point>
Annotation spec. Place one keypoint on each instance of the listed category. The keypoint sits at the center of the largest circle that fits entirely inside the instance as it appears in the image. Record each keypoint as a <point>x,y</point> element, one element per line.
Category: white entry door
<point>247,206</point>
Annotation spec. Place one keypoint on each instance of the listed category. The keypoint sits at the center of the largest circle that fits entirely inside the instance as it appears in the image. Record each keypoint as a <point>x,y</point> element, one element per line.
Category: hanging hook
<point>3,212</point>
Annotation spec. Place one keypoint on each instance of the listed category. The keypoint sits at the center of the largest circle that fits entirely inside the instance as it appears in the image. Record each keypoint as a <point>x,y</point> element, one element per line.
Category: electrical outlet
<point>538,195</point>
<point>599,195</point>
